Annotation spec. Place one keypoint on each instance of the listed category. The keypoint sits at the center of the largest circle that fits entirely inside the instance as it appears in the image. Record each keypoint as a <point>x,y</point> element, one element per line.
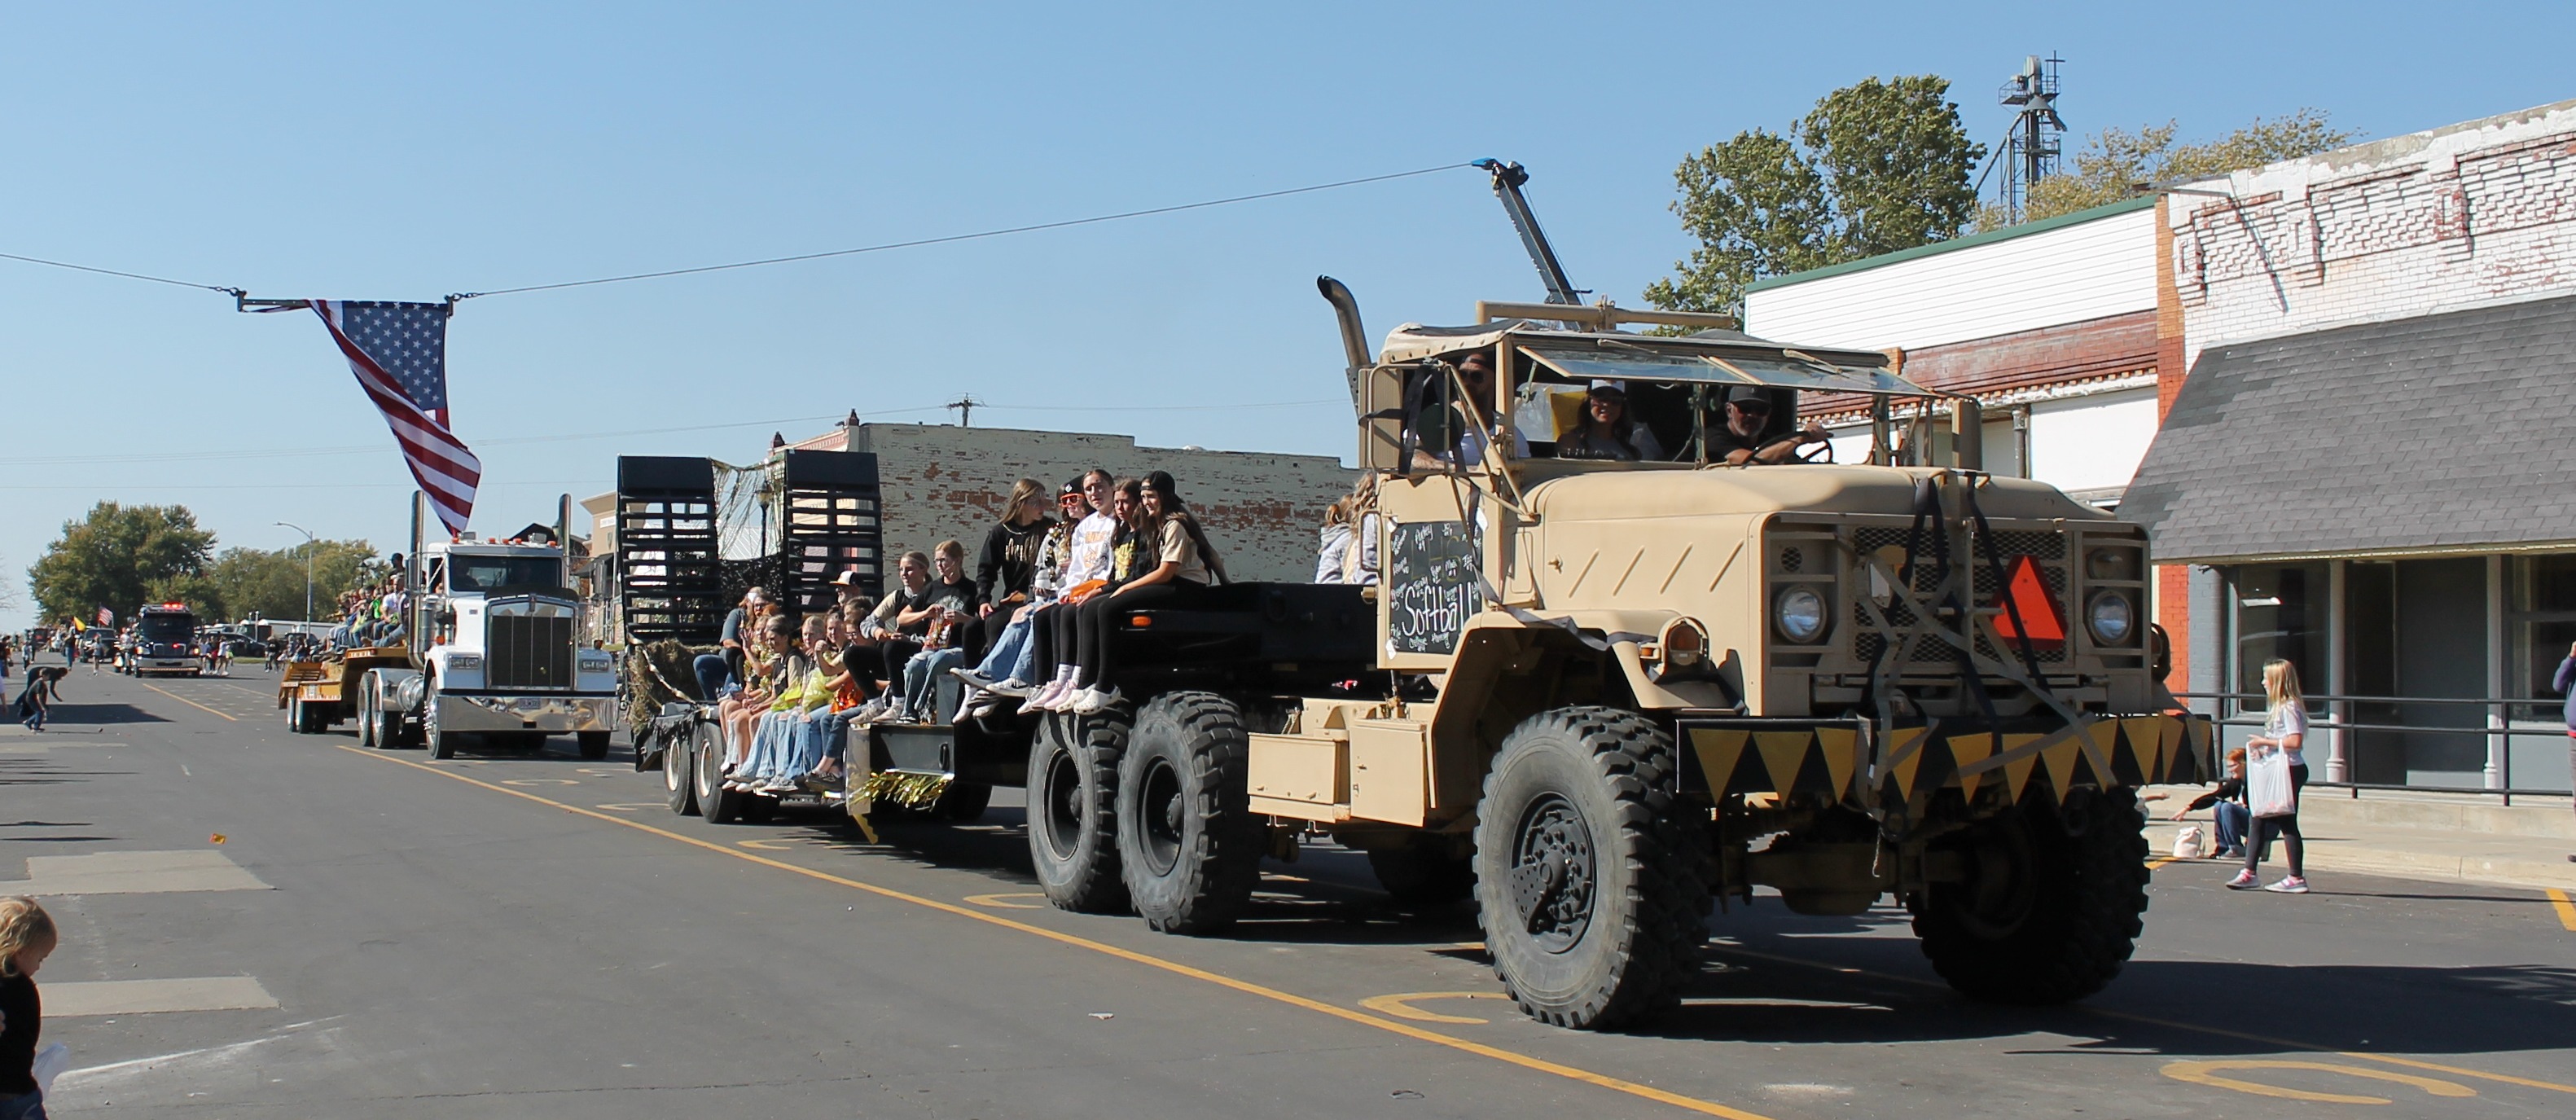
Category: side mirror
<point>1381,392</point>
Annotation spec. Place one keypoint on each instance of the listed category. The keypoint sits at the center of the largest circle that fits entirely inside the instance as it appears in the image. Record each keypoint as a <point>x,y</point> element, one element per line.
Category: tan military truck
<point>1612,675</point>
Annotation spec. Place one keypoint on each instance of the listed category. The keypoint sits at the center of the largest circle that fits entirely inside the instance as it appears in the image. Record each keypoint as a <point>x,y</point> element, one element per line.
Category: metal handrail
<point>2498,728</point>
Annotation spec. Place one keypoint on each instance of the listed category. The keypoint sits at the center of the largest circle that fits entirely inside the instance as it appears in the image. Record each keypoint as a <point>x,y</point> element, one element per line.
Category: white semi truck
<point>492,628</point>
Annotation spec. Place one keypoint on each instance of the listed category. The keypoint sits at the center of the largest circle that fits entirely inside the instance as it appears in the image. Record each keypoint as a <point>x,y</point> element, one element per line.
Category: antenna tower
<point>2029,153</point>
<point>965,407</point>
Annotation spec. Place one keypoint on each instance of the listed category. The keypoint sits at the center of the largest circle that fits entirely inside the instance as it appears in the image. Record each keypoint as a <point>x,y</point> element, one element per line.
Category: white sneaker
<point>1092,701</point>
<point>1046,698</point>
<point>1014,687</point>
<point>2289,884</point>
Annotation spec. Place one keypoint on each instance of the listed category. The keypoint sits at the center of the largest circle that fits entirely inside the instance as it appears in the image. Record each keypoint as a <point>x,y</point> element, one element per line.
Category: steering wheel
<point>1822,453</point>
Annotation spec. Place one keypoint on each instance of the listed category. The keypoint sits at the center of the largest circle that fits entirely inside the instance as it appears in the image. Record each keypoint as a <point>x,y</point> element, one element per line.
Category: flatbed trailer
<point>317,694</point>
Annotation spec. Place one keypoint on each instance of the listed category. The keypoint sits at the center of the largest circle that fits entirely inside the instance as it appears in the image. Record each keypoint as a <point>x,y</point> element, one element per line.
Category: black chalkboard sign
<point>1432,585</point>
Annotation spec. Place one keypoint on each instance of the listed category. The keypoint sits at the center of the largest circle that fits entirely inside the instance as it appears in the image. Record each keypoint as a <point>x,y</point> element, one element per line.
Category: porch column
<point>2338,678</point>
<point>2497,742</point>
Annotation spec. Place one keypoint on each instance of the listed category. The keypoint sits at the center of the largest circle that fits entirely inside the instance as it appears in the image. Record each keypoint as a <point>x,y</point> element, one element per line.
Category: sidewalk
<point>2409,835</point>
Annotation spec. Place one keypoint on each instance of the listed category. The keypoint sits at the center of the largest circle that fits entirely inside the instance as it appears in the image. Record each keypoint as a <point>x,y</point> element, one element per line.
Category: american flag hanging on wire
<point>399,352</point>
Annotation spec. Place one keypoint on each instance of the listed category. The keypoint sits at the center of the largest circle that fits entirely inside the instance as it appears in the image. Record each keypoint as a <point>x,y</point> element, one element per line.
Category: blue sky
<point>405,152</point>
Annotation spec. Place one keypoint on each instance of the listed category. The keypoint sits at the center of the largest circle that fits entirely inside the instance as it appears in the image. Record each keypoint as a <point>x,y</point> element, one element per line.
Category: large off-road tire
<point>1586,881</point>
<point>1424,873</point>
<point>2044,916</point>
<point>716,803</point>
<point>1073,810</point>
<point>680,771</point>
<point>593,745</point>
<point>1188,843</point>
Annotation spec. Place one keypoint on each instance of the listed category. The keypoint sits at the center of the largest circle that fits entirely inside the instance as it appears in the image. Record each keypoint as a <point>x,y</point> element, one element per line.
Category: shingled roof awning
<point>2451,432</point>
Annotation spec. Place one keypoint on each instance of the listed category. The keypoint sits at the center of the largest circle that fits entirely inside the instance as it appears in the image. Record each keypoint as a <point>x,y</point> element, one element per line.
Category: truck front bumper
<point>553,715</point>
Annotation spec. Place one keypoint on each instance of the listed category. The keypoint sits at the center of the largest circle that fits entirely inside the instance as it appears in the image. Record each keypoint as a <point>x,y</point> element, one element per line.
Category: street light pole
<point>308,566</point>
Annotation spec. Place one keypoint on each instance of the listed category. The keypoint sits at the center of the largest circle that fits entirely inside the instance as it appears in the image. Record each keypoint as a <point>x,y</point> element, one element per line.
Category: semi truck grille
<point>529,651</point>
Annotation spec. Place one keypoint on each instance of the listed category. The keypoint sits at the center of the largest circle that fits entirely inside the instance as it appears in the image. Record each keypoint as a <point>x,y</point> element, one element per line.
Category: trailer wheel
<point>680,769</point>
<point>593,744</point>
<point>2050,909</point>
<point>716,803</point>
<point>385,725</point>
<point>1187,839</point>
<point>1592,909</point>
<point>1073,810</point>
<point>1424,873</point>
<point>963,801</point>
<point>367,710</point>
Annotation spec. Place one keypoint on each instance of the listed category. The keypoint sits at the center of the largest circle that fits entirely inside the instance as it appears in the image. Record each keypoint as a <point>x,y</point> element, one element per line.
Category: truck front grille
<point>2047,550</point>
<point>529,651</point>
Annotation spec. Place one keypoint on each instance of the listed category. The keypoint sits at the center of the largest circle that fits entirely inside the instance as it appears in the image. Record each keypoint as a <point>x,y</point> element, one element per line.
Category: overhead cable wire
<point>956,237</point>
<point>128,275</point>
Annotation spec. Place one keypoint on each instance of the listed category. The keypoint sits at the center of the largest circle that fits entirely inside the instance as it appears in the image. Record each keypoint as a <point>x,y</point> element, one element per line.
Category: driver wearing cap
<point>1740,443</point>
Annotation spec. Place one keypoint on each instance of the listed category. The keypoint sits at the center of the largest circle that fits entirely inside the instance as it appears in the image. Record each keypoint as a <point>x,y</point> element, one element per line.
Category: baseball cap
<point>849,577</point>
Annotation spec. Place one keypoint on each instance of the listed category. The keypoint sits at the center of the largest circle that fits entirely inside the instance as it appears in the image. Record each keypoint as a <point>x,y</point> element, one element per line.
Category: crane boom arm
<point>1508,178</point>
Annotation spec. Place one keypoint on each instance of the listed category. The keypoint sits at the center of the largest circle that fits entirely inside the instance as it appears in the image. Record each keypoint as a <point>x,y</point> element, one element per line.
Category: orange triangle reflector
<point>2037,608</point>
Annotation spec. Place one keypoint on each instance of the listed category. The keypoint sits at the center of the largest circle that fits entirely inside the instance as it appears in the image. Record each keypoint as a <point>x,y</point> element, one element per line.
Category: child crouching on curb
<point>26,938</point>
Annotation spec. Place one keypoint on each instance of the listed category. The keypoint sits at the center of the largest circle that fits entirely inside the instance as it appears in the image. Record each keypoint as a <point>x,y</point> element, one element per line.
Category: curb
<point>2530,872</point>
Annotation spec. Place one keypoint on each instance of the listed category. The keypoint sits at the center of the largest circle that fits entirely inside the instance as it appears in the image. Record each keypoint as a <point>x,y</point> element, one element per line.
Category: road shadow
<point>99,714</point>
<point>2170,1007</point>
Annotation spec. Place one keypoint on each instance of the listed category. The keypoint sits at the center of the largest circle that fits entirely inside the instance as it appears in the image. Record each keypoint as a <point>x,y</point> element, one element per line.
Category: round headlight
<point>2111,618</point>
<point>1800,614</point>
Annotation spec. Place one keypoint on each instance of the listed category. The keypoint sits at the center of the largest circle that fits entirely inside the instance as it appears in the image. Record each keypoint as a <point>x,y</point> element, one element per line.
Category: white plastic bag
<point>50,1063</point>
<point>2267,783</point>
<point>2189,843</point>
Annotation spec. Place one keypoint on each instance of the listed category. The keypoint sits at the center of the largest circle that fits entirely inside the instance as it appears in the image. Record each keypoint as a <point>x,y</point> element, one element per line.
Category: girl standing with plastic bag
<point>2274,774</point>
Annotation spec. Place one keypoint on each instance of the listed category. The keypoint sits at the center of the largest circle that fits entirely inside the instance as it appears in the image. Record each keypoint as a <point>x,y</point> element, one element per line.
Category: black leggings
<point>1051,634</point>
<point>2287,828</point>
<point>1094,621</point>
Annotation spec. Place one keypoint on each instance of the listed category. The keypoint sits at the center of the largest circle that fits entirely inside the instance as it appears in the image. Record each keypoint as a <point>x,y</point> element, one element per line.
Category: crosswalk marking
<point>80,998</point>
<point>135,873</point>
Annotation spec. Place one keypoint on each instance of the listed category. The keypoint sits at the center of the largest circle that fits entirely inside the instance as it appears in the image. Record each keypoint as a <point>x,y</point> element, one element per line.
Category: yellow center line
<point>2566,909</point>
<point>2151,1020</point>
<point>1542,1065</point>
<point>185,700</point>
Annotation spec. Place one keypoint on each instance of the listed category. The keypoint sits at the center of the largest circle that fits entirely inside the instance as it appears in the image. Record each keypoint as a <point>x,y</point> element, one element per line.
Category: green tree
<point>119,557</point>
<point>270,584</point>
<point>2115,162</point>
<point>1874,167</point>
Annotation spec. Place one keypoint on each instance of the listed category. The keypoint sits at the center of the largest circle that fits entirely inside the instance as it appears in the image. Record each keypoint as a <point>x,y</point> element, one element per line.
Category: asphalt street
<point>265,924</point>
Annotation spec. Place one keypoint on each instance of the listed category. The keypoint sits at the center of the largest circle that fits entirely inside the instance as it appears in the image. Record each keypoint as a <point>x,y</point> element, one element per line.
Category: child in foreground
<point>26,938</point>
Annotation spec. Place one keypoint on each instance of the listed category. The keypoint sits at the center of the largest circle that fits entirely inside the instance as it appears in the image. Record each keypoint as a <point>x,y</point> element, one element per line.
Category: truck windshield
<point>167,627</point>
<point>488,573</point>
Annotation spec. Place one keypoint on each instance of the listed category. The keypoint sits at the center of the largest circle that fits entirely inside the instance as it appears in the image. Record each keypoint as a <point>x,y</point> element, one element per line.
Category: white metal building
<point>2050,325</point>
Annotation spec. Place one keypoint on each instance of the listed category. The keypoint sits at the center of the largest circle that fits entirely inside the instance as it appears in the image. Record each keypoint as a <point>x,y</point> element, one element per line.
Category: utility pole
<point>965,407</point>
<point>308,567</point>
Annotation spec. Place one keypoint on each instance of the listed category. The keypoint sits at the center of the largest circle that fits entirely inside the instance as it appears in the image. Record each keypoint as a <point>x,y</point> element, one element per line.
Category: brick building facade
<point>942,481</point>
<point>2366,358</point>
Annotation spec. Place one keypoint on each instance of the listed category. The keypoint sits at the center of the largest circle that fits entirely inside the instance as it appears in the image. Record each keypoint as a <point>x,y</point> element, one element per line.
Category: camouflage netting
<point>658,673</point>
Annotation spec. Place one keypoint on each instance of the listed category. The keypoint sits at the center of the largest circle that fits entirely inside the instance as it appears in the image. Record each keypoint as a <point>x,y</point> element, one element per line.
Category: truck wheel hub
<point>1552,873</point>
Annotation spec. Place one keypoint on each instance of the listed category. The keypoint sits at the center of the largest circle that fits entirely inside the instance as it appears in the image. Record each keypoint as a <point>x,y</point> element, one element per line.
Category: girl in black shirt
<point>26,938</point>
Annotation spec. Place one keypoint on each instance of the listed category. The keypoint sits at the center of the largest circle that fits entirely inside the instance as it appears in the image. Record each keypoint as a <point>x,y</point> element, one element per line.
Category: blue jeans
<point>2234,821</point>
<point>921,678</point>
<point>712,669</point>
<point>1010,655</point>
<point>764,737</point>
<point>30,1106</point>
<point>821,735</point>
